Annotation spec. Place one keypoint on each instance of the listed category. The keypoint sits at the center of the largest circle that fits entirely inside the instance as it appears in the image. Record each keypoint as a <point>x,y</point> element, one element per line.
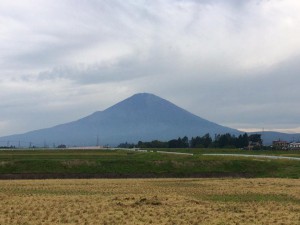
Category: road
<point>257,156</point>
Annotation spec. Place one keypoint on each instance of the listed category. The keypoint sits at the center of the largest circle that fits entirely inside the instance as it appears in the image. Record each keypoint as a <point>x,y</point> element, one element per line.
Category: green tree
<point>255,138</point>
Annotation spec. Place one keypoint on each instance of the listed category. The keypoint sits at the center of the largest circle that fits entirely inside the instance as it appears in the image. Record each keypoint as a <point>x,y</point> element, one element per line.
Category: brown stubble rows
<point>150,201</point>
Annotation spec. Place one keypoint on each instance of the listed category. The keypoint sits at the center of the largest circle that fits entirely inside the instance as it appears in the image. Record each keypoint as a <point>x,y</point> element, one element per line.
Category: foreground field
<point>150,201</point>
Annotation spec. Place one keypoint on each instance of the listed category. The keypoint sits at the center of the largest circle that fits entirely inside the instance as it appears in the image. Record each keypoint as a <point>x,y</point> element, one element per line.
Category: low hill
<point>269,136</point>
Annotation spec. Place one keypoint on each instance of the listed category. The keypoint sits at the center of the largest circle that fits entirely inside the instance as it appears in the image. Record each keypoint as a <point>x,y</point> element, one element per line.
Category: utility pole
<point>97,140</point>
<point>45,144</point>
<point>262,135</point>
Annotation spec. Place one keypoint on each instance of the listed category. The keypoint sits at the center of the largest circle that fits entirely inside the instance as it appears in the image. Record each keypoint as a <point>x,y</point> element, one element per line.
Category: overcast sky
<point>233,62</point>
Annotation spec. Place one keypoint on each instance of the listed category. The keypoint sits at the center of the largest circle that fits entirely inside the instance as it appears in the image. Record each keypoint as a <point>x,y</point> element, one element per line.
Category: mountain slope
<point>141,117</point>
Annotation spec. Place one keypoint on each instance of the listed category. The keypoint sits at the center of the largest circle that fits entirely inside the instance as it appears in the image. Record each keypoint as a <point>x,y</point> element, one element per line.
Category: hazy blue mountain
<point>142,117</point>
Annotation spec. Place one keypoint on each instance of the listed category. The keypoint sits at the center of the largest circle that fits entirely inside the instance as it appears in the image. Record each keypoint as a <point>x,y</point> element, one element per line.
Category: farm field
<point>31,164</point>
<point>151,201</point>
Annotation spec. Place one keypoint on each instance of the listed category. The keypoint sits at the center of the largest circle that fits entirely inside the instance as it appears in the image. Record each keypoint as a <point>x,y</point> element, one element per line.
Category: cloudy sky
<point>233,62</point>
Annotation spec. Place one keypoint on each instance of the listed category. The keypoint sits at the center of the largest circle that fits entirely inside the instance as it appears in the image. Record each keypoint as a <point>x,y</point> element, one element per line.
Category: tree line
<point>205,141</point>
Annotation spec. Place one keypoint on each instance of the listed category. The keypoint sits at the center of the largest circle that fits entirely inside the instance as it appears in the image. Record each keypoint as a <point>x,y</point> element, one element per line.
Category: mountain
<point>141,117</point>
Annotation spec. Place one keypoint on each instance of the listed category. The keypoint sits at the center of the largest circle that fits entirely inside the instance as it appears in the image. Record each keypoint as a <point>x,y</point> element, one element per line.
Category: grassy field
<point>150,201</point>
<point>108,163</point>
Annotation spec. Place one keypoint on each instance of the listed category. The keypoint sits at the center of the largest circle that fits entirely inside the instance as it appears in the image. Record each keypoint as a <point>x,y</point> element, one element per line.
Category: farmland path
<point>256,156</point>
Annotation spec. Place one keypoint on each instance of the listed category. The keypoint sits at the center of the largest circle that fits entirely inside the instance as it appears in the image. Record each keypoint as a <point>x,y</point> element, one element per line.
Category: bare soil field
<point>150,201</point>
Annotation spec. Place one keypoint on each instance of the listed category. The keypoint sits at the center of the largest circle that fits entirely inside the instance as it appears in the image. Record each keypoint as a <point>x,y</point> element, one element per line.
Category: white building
<point>294,145</point>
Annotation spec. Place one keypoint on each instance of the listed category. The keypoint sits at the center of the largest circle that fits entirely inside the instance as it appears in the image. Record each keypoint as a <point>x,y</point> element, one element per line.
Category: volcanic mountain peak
<point>140,101</point>
<point>142,117</point>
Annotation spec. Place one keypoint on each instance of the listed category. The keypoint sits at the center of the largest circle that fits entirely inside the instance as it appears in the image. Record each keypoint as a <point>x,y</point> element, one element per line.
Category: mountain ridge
<point>141,117</point>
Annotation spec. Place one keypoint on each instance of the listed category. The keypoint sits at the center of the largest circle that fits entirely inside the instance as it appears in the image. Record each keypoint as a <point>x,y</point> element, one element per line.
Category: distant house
<point>294,146</point>
<point>280,145</point>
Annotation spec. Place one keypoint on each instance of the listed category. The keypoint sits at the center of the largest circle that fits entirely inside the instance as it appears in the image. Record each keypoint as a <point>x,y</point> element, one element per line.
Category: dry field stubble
<point>150,201</point>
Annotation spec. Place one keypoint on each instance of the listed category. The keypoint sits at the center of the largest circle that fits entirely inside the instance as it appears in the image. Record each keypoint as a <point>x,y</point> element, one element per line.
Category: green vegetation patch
<point>142,164</point>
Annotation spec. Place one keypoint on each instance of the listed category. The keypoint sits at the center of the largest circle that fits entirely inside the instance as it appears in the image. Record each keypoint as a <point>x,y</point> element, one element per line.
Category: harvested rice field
<point>150,201</point>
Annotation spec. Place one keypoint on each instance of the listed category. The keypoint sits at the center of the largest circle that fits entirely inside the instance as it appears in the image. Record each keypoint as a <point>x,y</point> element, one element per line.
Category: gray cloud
<point>233,62</point>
